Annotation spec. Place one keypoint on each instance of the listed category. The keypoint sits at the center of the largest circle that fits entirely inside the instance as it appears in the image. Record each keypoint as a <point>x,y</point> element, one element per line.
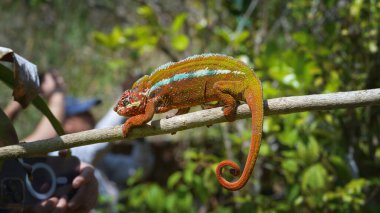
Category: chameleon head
<point>131,103</point>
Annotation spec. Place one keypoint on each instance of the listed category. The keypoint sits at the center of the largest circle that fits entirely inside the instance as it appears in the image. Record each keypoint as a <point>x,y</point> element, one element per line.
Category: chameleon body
<point>199,80</point>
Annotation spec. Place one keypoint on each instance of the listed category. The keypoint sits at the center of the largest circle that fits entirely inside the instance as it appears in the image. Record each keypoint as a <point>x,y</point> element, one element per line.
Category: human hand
<point>52,82</point>
<point>83,200</point>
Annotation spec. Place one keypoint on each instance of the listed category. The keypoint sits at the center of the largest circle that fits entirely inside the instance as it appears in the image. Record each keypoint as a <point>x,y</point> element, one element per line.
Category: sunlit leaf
<point>314,178</point>
<point>313,149</point>
<point>174,179</point>
<point>290,165</point>
<point>294,192</point>
<point>264,150</point>
<point>155,197</point>
<point>189,172</point>
<point>356,8</point>
<point>241,37</point>
<point>145,11</point>
<point>180,42</point>
<point>178,22</point>
<point>225,34</point>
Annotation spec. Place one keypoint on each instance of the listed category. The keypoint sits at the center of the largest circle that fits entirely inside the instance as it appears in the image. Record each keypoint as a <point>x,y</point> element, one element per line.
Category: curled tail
<point>254,98</point>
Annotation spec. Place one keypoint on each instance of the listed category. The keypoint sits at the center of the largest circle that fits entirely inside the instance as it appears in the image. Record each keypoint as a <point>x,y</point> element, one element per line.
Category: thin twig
<point>246,16</point>
<point>196,119</point>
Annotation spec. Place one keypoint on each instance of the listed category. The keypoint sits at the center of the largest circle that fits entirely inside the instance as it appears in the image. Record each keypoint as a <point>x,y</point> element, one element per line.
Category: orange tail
<point>254,98</point>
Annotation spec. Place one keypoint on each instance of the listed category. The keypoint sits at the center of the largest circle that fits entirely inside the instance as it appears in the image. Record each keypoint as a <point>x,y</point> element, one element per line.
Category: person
<point>111,179</point>
<point>85,198</point>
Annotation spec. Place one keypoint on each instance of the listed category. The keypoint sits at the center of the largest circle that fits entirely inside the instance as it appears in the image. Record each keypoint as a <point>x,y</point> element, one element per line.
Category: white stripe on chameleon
<point>196,74</point>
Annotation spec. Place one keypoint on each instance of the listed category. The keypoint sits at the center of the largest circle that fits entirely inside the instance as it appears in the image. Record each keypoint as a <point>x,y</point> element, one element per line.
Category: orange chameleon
<point>199,80</point>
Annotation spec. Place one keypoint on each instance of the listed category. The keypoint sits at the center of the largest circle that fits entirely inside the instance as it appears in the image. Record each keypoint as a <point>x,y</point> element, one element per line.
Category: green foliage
<point>143,38</point>
<point>180,191</point>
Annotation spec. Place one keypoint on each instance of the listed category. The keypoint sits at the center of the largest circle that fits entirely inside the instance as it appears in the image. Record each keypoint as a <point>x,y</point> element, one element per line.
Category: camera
<point>27,183</point>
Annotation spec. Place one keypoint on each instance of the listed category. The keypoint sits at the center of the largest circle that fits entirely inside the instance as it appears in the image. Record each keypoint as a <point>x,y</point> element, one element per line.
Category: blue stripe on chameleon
<point>196,74</point>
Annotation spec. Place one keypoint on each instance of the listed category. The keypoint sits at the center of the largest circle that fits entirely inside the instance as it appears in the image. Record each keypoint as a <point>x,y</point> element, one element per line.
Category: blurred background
<point>327,161</point>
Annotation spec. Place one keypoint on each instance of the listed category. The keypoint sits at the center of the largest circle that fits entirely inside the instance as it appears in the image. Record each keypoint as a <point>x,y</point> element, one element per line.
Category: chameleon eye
<point>125,102</point>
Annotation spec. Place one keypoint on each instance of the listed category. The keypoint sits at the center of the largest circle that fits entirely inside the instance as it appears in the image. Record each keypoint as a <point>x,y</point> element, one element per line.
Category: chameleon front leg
<point>139,120</point>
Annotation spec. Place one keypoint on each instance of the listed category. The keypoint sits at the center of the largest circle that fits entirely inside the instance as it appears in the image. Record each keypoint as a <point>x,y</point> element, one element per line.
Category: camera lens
<point>42,183</point>
<point>41,180</point>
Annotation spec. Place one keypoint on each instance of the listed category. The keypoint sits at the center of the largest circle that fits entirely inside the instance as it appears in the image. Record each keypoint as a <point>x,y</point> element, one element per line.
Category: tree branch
<point>196,119</point>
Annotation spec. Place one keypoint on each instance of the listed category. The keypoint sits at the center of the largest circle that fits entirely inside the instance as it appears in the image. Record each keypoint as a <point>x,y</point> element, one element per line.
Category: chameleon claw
<point>125,131</point>
<point>169,116</point>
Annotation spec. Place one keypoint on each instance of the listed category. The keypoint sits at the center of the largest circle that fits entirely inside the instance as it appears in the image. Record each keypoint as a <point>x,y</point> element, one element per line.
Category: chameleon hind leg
<point>211,105</point>
<point>228,92</point>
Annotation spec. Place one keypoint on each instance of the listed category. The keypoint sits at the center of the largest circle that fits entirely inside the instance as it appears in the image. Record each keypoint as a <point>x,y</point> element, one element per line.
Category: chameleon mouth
<point>134,104</point>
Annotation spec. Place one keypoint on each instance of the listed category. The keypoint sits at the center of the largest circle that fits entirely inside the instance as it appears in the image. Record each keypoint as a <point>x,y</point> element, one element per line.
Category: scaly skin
<point>199,80</point>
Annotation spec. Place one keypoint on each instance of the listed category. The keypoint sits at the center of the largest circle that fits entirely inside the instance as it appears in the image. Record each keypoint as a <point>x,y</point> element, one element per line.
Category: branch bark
<point>274,106</point>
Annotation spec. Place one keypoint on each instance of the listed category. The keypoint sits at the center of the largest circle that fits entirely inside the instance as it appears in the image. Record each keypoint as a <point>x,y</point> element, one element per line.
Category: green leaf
<point>356,7</point>
<point>314,178</point>
<point>200,189</point>
<point>289,138</point>
<point>224,33</point>
<point>156,198</point>
<point>341,167</point>
<point>189,172</point>
<point>171,202</point>
<point>301,37</point>
<point>313,150</point>
<point>372,46</point>
<point>235,139</point>
<point>135,177</point>
<point>145,11</point>
<point>178,22</point>
<point>265,150</point>
<point>241,37</point>
<point>112,40</point>
<point>174,179</point>
<point>180,42</point>
<point>355,186</point>
<point>290,165</point>
<point>294,192</point>
<point>301,152</point>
